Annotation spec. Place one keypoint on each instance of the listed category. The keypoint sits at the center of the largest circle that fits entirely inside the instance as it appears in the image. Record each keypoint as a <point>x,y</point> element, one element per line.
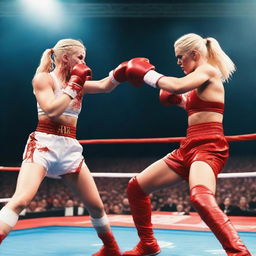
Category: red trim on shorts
<point>78,169</point>
<point>30,147</point>
<point>51,127</point>
<point>205,129</point>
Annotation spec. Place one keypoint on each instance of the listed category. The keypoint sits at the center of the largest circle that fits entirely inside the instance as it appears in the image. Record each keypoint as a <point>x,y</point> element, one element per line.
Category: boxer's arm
<point>109,83</point>
<point>169,99</point>
<point>43,90</point>
<point>140,70</point>
<point>184,84</point>
<point>100,86</point>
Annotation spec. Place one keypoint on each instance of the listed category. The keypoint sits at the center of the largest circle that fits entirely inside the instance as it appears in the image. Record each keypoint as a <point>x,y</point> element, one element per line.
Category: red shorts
<point>204,142</point>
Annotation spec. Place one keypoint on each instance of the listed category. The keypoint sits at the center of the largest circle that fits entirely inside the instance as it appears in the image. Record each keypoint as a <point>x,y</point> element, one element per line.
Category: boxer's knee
<point>201,197</point>
<point>134,189</point>
<point>96,210</point>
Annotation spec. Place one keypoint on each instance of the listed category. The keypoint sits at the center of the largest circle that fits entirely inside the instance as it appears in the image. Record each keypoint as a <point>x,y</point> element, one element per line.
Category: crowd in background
<point>236,196</point>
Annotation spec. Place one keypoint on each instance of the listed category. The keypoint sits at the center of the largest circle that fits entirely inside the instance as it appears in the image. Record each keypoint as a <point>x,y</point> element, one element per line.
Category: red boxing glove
<point>168,99</point>
<point>79,74</point>
<point>118,75</point>
<point>136,70</point>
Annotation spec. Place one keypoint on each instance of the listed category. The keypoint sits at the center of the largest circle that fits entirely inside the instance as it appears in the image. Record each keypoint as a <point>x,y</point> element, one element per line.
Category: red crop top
<point>194,104</point>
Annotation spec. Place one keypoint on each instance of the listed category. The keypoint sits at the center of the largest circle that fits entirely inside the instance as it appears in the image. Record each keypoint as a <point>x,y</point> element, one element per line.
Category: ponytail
<point>45,62</point>
<point>52,56</point>
<point>210,48</point>
<point>217,57</point>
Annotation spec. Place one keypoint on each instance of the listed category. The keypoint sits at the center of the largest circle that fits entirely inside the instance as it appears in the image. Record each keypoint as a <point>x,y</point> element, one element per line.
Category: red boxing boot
<point>204,202</point>
<point>141,212</point>
<point>144,249</point>
<point>110,247</point>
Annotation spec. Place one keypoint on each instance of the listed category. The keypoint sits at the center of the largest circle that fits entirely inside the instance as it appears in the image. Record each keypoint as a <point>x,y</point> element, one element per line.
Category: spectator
<point>228,208</point>
<point>244,209</point>
<point>169,206</point>
<point>41,206</point>
<point>126,207</point>
<point>243,205</point>
<point>32,206</point>
<point>252,203</point>
<point>181,210</point>
<point>115,209</point>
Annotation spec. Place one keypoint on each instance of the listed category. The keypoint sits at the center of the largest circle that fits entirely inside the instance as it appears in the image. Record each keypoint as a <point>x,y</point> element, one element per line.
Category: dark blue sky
<point>127,112</point>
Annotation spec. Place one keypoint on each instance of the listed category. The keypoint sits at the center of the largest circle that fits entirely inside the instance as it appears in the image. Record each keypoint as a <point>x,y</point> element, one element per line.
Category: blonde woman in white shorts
<point>60,82</point>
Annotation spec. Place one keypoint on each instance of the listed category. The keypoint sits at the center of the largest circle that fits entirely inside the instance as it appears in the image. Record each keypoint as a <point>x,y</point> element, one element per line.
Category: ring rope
<point>132,174</point>
<point>230,138</point>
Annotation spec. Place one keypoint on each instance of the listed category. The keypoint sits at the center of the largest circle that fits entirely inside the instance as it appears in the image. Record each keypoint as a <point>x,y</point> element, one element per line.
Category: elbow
<point>174,90</point>
<point>177,91</point>
<point>177,87</point>
<point>52,114</point>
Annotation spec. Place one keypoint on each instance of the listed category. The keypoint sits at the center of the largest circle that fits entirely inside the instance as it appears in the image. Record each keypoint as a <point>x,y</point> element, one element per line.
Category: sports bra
<point>74,107</point>
<point>194,104</point>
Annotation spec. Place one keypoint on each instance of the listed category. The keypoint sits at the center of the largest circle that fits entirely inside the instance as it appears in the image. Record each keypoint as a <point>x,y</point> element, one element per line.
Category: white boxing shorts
<point>59,155</point>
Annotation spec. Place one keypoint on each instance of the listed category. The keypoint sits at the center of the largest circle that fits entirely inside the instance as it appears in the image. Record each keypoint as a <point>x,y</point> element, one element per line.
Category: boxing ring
<point>177,234</point>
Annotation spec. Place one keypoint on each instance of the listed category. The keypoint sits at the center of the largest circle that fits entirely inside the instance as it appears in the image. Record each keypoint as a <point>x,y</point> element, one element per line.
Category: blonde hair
<point>209,48</point>
<point>53,55</point>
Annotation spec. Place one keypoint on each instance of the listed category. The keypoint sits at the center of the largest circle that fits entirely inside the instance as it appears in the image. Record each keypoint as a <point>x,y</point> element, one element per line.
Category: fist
<point>119,73</point>
<point>80,73</point>
<point>137,69</point>
<point>168,99</point>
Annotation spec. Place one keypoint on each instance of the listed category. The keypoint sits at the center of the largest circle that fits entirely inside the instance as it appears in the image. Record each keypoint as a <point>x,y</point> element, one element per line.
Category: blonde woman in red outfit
<point>52,150</point>
<point>202,153</point>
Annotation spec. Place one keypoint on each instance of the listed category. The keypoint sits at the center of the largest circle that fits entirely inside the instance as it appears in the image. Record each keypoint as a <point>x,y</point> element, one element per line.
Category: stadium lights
<point>45,12</point>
